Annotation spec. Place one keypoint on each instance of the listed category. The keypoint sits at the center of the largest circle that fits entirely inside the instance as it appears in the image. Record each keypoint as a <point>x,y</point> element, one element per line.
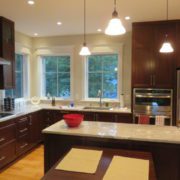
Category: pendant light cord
<point>84,21</point>
<point>114,5</point>
<point>167,13</point>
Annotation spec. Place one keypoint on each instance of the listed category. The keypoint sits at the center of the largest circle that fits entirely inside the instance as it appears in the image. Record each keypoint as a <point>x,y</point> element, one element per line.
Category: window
<point>56,75</point>
<point>18,92</point>
<point>102,74</point>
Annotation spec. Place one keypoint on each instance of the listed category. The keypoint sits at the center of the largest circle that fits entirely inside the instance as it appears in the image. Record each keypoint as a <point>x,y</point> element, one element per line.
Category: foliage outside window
<point>18,91</point>
<point>103,75</point>
<point>57,76</point>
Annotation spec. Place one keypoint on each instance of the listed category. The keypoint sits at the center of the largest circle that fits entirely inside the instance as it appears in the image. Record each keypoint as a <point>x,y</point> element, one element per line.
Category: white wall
<point>75,42</point>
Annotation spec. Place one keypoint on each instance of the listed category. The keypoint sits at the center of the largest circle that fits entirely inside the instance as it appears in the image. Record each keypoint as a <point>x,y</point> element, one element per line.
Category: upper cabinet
<point>150,68</point>
<point>7,51</point>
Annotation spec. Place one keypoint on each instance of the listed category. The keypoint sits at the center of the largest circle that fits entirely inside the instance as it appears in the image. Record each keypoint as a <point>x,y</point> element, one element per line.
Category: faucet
<point>100,97</point>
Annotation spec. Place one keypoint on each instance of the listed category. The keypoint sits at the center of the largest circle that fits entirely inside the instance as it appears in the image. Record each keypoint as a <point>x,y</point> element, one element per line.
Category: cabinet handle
<point>30,120</point>
<point>23,130</point>
<point>2,158</point>
<point>116,118</point>
<point>2,139</point>
<point>154,80</point>
<point>23,146</point>
<point>151,79</point>
<point>96,117</point>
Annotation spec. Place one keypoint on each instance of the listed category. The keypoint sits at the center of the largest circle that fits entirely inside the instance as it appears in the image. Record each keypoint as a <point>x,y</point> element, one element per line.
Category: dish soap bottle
<point>53,101</point>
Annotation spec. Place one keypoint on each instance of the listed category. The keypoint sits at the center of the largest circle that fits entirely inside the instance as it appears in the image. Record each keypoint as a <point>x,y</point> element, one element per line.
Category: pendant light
<point>115,26</point>
<point>166,46</point>
<point>84,50</point>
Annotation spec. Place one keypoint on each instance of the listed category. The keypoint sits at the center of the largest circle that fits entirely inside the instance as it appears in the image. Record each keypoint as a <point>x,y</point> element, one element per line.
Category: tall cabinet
<point>150,68</point>
<point>7,51</point>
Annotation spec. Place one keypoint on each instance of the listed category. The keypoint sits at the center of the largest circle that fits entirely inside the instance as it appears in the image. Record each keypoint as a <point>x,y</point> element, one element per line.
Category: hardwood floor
<point>31,167</point>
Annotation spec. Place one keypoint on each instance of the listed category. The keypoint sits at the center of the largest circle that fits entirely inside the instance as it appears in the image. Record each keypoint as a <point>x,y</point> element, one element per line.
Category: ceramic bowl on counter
<point>73,120</point>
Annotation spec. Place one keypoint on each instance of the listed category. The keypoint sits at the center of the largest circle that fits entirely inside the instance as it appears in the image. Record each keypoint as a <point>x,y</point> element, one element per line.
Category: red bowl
<point>73,120</point>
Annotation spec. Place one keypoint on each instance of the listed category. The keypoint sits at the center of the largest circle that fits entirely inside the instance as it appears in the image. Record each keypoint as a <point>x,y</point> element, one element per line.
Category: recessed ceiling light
<point>31,2</point>
<point>35,34</point>
<point>99,30</point>
<point>127,18</point>
<point>59,23</point>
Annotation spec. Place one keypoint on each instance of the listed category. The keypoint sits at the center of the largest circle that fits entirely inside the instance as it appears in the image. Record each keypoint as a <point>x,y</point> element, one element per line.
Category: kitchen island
<point>162,141</point>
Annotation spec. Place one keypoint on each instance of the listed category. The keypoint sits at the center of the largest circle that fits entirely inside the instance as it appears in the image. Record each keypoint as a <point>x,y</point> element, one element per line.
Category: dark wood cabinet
<point>23,134</point>
<point>142,55</point>
<point>7,51</point>
<point>51,116</point>
<point>36,126</point>
<point>7,142</point>
<point>150,68</point>
<point>19,135</point>
<point>108,117</point>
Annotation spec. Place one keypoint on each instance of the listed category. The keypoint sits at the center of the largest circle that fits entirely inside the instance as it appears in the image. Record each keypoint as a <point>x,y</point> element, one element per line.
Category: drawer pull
<point>23,146</point>
<point>2,139</point>
<point>2,158</point>
<point>23,130</point>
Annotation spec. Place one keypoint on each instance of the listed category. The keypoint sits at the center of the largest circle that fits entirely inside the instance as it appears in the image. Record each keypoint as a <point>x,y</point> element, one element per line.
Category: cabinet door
<point>124,118</point>
<point>89,116</point>
<point>35,128</point>
<point>8,53</point>
<point>142,54</point>
<point>105,117</point>
<point>165,62</point>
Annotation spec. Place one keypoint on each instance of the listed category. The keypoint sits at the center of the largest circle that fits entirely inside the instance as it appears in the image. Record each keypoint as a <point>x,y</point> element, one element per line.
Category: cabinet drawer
<point>22,144</point>
<point>22,126</point>
<point>7,154</point>
<point>7,133</point>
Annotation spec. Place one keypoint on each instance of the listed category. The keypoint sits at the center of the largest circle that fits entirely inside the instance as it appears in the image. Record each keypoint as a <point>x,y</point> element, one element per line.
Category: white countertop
<point>26,109</point>
<point>151,133</point>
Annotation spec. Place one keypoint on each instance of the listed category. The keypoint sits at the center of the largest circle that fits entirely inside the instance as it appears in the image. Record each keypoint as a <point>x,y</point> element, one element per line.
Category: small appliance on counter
<point>9,104</point>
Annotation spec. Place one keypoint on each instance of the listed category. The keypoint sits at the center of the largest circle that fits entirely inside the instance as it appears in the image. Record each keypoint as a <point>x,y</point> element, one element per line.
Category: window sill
<point>103,100</point>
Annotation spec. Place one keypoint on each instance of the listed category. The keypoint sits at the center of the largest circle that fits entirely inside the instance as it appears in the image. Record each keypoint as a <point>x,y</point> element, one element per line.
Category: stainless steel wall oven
<point>153,102</point>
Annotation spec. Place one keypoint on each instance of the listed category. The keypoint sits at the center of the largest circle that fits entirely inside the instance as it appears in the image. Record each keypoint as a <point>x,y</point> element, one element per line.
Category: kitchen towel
<point>127,169</point>
<point>160,120</point>
<point>81,160</point>
<point>143,119</point>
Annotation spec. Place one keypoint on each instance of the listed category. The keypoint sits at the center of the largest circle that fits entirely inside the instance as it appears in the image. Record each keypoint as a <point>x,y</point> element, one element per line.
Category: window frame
<point>119,77</point>
<point>42,80</point>
<point>25,76</point>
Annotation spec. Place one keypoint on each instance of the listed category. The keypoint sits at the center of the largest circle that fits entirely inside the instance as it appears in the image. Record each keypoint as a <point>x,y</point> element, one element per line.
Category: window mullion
<point>57,77</point>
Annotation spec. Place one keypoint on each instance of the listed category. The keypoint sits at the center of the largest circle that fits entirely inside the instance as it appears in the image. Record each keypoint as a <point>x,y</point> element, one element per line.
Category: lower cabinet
<point>21,134</point>
<point>108,117</point>
<point>35,127</point>
<point>7,153</point>
<point>7,142</point>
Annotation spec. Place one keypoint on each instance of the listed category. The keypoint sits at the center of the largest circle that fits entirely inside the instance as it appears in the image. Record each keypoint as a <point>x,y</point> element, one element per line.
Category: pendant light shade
<point>166,46</point>
<point>85,50</point>
<point>115,26</point>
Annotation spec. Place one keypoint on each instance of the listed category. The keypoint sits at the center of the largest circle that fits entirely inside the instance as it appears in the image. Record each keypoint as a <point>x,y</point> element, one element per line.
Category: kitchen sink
<point>96,108</point>
<point>4,114</point>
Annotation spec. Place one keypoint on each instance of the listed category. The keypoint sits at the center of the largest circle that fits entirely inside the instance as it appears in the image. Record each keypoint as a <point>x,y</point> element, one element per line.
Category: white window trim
<point>55,51</point>
<point>113,50</point>
<point>26,52</point>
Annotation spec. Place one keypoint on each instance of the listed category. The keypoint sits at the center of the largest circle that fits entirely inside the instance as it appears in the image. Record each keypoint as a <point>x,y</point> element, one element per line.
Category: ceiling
<point>42,17</point>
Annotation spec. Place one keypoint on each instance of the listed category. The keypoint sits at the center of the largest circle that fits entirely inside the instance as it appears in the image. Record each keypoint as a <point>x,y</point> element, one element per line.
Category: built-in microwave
<point>153,102</point>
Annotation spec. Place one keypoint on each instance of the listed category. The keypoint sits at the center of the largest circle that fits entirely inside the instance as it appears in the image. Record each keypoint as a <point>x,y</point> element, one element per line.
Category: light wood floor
<point>31,167</point>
